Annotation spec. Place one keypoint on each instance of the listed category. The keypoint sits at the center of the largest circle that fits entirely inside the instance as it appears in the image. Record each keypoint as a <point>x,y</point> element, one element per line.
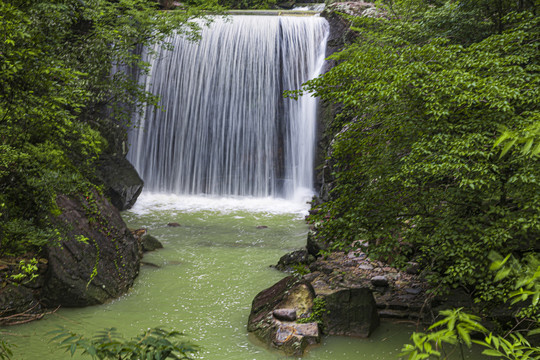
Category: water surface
<point>203,282</point>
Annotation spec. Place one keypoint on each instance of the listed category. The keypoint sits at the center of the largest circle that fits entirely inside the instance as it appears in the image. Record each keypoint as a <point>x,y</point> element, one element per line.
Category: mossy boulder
<point>150,243</point>
<point>266,322</point>
<point>98,258</point>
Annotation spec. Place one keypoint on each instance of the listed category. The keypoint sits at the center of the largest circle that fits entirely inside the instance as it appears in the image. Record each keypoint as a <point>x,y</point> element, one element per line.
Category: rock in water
<point>150,243</point>
<point>351,312</point>
<point>291,294</point>
<point>98,259</point>
<point>287,261</point>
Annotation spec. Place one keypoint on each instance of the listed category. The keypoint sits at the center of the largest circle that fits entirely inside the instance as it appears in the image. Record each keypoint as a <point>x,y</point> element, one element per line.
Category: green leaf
<point>492,352</point>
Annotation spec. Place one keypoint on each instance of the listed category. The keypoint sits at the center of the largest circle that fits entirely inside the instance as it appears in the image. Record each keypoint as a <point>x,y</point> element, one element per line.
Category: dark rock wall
<point>122,182</point>
<point>100,267</point>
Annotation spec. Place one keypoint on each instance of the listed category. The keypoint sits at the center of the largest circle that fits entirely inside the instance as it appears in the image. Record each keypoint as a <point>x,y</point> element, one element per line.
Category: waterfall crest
<point>227,130</point>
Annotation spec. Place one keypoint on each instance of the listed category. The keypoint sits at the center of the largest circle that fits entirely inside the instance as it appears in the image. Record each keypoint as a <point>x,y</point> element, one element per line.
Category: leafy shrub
<point>153,344</point>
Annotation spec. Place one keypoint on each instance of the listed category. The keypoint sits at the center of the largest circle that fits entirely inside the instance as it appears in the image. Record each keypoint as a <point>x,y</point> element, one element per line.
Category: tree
<point>415,173</point>
<point>63,84</point>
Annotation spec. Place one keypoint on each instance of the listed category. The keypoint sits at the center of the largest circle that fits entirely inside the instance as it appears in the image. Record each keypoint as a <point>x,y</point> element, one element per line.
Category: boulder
<point>379,280</point>
<point>122,182</point>
<point>287,261</point>
<point>98,258</point>
<point>293,338</point>
<point>350,312</point>
<point>286,4</point>
<point>150,243</point>
<point>295,296</point>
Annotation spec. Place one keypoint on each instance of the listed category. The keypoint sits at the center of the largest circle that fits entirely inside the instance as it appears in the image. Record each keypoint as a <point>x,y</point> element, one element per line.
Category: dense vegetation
<point>417,171</point>
<point>59,92</point>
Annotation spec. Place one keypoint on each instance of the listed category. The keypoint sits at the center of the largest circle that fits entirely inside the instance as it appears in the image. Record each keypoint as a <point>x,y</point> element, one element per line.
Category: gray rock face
<point>122,182</point>
<point>101,267</point>
<point>351,312</point>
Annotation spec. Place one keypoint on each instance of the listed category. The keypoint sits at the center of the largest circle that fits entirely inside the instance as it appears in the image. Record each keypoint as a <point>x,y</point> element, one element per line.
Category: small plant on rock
<point>317,313</point>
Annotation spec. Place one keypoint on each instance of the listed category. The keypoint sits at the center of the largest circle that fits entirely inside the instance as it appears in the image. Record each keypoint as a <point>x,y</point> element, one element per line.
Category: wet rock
<point>314,244</point>
<point>150,243</point>
<point>285,314</point>
<point>286,4</point>
<point>287,261</point>
<point>102,266</point>
<point>291,294</point>
<point>379,280</point>
<point>351,312</point>
<point>173,224</point>
<point>16,300</point>
<point>293,338</point>
<point>123,184</point>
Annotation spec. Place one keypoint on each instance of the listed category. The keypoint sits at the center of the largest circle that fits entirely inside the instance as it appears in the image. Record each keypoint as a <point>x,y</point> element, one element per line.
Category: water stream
<point>206,277</point>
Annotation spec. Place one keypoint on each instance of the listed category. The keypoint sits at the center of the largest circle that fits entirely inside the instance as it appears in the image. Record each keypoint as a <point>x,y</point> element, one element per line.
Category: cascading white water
<point>226,129</point>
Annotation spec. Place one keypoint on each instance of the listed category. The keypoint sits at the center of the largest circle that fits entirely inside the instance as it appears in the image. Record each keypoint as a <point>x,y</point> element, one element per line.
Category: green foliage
<point>525,277</point>
<point>318,311</point>
<point>28,271</point>
<point>5,350</point>
<point>64,81</point>
<point>300,270</point>
<point>517,348</point>
<point>455,328</point>
<point>414,170</point>
<point>528,137</point>
<point>153,344</point>
<point>460,326</point>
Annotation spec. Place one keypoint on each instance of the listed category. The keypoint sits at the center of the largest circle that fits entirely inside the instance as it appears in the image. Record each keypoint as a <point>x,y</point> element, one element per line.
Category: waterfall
<point>226,129</point>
